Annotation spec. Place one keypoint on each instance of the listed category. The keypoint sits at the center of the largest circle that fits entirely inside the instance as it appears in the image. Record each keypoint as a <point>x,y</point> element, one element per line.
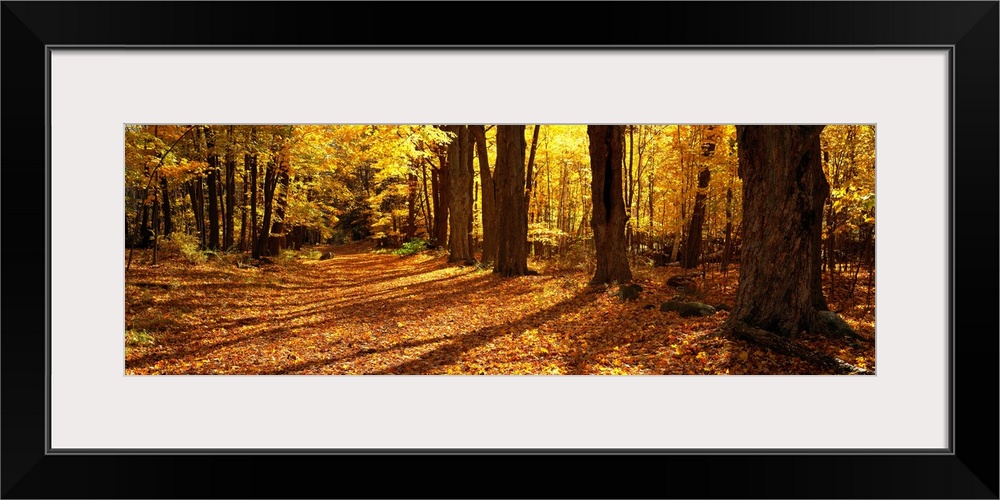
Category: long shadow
<point>334,306</point>
<point>390,313</point>
<point>450,353</point>
<point>360,353</point>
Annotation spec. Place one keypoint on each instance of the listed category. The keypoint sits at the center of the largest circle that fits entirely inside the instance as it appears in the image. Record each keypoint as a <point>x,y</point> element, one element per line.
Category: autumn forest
<point>644,249</point>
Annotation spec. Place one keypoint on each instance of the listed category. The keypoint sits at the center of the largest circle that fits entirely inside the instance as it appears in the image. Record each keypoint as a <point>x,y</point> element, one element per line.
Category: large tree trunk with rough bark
<point>512,251</point>
<point>460,194</point>
<point>608,218</point>
<point>489,204</point>
<point>779,292</point>
<point>783,193</point>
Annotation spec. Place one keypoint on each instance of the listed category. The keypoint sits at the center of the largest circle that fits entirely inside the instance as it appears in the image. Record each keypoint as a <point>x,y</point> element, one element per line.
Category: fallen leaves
<point>366,313</point>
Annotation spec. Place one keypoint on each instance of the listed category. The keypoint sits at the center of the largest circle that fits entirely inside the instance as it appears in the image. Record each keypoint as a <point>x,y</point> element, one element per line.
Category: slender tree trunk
<point>168,225</point>
<point>428,220</point>
<point>270,182</point>
<point>410,229</point>
<point>213,191</point>
<point>460,194</point>
<point>250,162</point>
<point>276,241</point>
<point>608,219</point>
<point>489,203</point>
<point>244,208</point>
<point>530,177</point>
<point>144,228</point>
<point>512,251</point>
<point>629,189</point>
<point>156,229</point>
<point>468,149</point>
<point>728,245</point>
<point>783,193</point>
<point>440,182</point>
<point>200,188</point>
<point>227,234</point>
<point>193,188</point>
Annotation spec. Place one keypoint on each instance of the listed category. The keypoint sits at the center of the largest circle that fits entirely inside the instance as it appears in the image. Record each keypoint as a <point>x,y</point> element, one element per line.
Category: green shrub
<point>187,245</point>
<point>415,245</point>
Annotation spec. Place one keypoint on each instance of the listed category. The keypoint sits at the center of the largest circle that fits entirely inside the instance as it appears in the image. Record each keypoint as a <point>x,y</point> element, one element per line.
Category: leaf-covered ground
<point>362,312</point>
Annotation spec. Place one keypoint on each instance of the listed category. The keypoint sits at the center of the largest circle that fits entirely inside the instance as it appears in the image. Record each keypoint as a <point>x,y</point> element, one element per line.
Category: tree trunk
<point>727,248</point>
<point>692,251</point>
<point>428,220</point>
<point>250,163</point>
<point>530,176</point>
<point>270,182</point>
<point>276,241</point>
<point>194,189</point>
<point>410,229</point>
<point>168,225</point>
<point>783,193</point>
<point>489,203</point>
<point>512,251</point>
<point>244,208</point>
<point>440,183</point>
<point>213,191</point>
<point>460,194</point>
<point>227,234</point>
<point>144,231</point>
<point>468,149</point>
<point>608,219</point>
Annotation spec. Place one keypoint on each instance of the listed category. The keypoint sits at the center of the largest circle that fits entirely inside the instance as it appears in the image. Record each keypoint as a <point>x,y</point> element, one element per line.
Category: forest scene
<point>635,249</point>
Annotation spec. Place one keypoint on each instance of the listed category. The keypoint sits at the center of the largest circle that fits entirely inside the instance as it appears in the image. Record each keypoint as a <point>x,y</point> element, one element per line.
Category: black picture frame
<point>970,470</point>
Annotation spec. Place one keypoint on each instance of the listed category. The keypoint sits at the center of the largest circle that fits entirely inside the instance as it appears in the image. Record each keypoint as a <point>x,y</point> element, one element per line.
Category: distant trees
<point>589,196</point>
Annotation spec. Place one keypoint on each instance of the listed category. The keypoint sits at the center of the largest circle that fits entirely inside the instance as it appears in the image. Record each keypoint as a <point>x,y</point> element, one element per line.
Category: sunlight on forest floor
<point>366,313</point>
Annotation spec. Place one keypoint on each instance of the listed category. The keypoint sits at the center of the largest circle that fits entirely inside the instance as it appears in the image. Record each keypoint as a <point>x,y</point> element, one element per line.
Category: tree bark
<point>460,196</point>
<point>410,229</point>
<point>270,182</point>
<point>440,183</point>
<point>250,163</point>
<point>512,251</point>
<point>783,193</point>
<point>276,241</point>
<point>727,247</point>
<point>227,233</point>
<point>168,226</point>
<point>608,219</point>
<point>428,220</point>
<point>692,252</point>
<point>489,203</point>
<point>530,176</point>
<point>144,231</point>
<point>213,191</point>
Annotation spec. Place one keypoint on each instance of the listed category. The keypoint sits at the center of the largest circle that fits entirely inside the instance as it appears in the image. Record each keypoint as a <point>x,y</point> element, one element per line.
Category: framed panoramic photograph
<point>321,244</point>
